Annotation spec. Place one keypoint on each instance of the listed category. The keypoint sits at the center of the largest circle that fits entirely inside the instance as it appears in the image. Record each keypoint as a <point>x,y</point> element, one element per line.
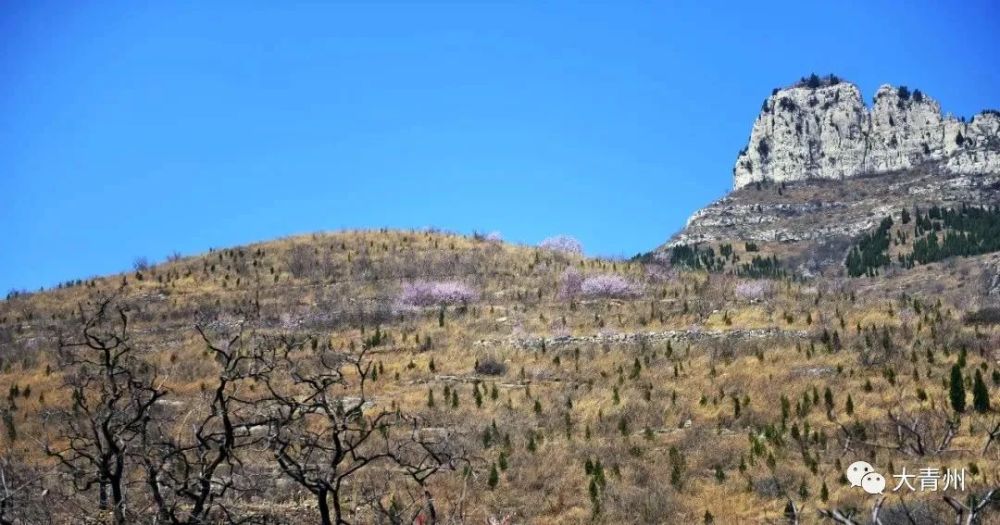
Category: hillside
<point>563,389</point>
<point>840,305</point>
<point>810,224</point>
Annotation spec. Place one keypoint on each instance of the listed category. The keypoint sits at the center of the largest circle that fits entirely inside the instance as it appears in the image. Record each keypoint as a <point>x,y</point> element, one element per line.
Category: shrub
<point>562,243</point>
<point>140,264</point>
<point>490,366</point>
<point>435,293</point>
<point>988,315</point>
<point>572,280</point>
<point>754,290</point>
<point>609,285</point>
<point>494,236</point>
<point>763,149</point>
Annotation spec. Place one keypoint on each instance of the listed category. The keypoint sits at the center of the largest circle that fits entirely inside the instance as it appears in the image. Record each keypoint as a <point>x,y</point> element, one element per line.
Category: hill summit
<point>820,128</point>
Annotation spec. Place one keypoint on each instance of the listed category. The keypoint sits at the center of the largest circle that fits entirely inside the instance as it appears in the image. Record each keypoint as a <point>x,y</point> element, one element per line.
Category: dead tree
<point>327,430</point>
<point>994,434</point>
<point>112,398</point>
<point>22,493</point>
<point>969,513</point>
<point>190,474</point>
<point>846,518</point>
<point>915,433</point>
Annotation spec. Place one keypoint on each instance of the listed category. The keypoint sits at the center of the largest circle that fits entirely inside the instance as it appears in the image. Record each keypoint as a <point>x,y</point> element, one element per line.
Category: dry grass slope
<point>699,398</point>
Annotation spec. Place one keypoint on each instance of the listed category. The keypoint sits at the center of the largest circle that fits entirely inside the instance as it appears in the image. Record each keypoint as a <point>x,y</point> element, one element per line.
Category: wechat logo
<point>862,474</point>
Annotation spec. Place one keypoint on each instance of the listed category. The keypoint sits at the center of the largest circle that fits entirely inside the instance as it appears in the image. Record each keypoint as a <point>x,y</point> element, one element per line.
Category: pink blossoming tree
<point>562,243</point>
<point>609,285</point>
<point>435,293</point>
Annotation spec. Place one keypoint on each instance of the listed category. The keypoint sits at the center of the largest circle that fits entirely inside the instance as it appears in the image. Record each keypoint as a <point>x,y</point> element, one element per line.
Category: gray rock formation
<point>815,220</point>
<point>827,132</point>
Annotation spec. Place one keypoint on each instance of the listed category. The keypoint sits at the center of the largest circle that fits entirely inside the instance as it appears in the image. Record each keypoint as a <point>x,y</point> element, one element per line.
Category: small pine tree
<point>430,398</point>
<point>441,317</point>
<point>494,479</point>
<point>595,496</point>
<point>677,467</point>
<point>8,421</point>
<point>980,394</point>
<point>956,389</point>
<point>849,405</point>
<point>824,493</point>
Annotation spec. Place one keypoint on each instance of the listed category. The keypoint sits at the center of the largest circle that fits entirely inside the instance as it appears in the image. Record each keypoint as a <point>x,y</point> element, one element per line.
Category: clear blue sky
<point>130,129</point>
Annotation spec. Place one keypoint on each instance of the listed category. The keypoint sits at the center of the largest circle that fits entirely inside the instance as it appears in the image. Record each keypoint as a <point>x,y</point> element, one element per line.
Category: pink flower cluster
<point>571,282</point>
<point>434,293</point>
<point>562,243</point>
<point>609,285</point>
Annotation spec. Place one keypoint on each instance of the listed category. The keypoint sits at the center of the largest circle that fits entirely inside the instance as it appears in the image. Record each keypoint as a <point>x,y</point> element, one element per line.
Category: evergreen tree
<point>494,477</point>
<point>956,390</point>
<point>980,394</point>
<point>677,468</point>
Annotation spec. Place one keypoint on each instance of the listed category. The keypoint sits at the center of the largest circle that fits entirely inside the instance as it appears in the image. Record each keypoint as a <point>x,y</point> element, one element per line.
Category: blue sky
<point>135,130</point>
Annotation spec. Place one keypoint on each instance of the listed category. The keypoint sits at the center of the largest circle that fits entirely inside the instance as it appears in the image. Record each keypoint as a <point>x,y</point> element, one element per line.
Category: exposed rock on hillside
<point>812,222</point>
<point>822,129</point>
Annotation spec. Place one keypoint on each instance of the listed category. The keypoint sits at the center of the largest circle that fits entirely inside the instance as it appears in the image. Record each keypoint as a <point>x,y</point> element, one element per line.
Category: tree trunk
<point>117,494</point>
<point>118,499</point>
<point>102,494</point>
<point>324,508</point>
<point>337,511</point>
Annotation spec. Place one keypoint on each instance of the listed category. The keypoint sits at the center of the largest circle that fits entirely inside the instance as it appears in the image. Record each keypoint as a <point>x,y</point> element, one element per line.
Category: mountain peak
<point>820,128</point>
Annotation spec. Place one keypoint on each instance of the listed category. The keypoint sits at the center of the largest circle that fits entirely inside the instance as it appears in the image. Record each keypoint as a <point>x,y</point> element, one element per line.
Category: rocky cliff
<point>821,129</point>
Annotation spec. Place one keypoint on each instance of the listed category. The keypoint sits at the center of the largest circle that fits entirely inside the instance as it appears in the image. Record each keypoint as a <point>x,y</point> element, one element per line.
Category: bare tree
<point>190,474</point>
<point>969,513</point>
<point>112,398</point>
<point>847,518</point>
<point>327,430</point>
<point>915,433</point>
<point>20,488</point>
<point>140,264</point>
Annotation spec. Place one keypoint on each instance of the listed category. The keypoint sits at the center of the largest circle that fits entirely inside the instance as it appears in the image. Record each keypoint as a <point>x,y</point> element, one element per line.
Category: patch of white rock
<point>827,132</point>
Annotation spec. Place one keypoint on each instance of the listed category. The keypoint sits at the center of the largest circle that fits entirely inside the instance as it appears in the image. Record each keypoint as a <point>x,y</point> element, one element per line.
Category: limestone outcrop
<point>821,129</point>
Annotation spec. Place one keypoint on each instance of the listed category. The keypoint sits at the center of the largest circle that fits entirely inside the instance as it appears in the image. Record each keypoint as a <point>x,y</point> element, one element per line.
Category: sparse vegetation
<point>464,405</point>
